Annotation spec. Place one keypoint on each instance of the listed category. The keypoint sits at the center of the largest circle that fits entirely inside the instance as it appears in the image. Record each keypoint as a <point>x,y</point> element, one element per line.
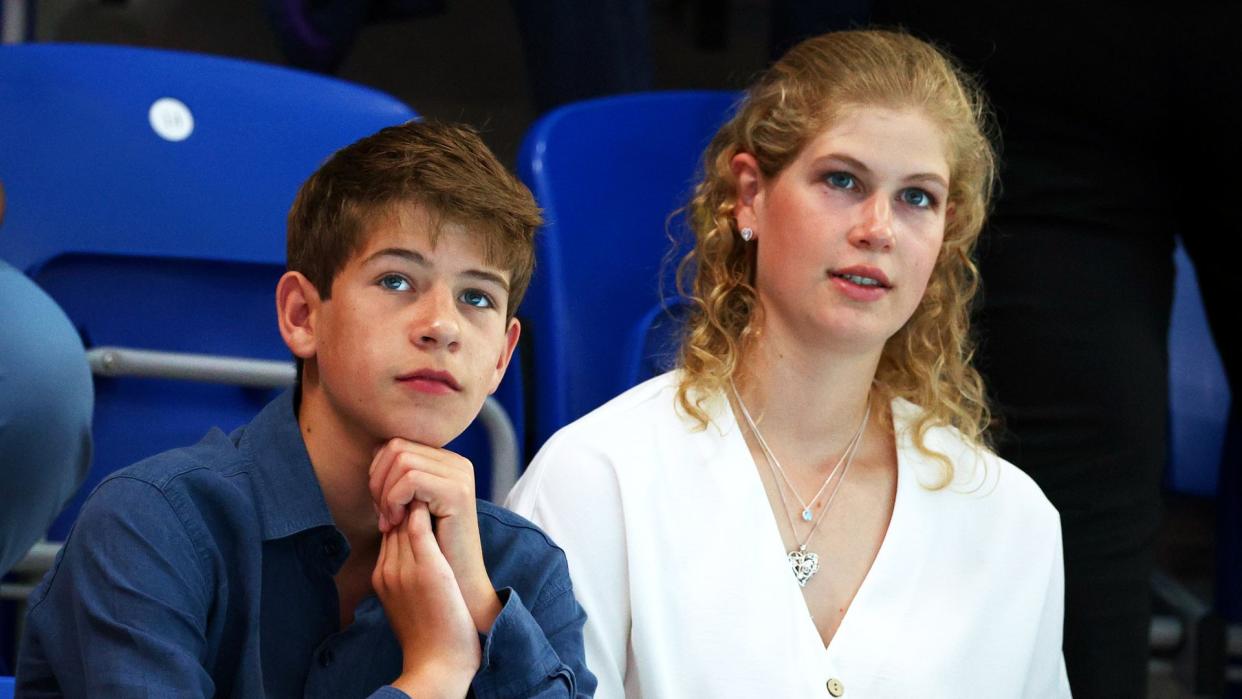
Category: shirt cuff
<point>388,692</point>
<point>517,656</point>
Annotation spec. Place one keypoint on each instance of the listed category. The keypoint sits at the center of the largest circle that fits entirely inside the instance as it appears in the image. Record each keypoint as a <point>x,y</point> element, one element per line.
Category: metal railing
<point>251,373</point>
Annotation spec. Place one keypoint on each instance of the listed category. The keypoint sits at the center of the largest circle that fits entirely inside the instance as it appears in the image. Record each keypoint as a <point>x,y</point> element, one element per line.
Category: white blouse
<point>676,556</point>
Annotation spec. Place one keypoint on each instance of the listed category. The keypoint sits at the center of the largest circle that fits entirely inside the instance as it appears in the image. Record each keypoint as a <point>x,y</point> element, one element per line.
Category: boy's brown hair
<point>443,168</point>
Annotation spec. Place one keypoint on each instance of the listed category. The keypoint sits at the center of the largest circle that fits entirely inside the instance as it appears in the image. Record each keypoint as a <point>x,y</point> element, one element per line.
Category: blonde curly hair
<point>928,361</point>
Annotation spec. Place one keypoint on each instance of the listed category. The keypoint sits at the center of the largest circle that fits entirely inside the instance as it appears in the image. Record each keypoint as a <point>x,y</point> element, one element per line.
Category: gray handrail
<point>208,368</point>
<point>256,373</point>
<point>266,373</point>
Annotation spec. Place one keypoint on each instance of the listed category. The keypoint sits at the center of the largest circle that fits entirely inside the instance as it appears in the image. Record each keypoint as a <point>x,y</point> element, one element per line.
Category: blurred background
<point>461,61</point>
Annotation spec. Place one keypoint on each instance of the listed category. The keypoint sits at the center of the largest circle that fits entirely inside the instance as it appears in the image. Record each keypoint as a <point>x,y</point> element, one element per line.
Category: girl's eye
<point>841,180</point>
<point>918,198</point>
<point>476,298</point>
<point>395,282</point>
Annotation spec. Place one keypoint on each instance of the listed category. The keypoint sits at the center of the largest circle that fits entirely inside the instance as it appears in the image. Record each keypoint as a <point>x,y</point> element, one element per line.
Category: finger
<point>378,579</point>
<point>401,554</point>
<point>429,452</point>
<point>397,458</point>
<point>403,461</point>
<point>380,465</point>
<point>442,495</point>
<point>431,455</point>
<point>422,541</point>
<point>393,504</point>
<point>383,552</point>
<point>393,462</point>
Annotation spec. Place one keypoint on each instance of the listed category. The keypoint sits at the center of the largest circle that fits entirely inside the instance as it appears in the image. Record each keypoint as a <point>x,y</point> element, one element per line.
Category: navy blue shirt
<point>208,571</point>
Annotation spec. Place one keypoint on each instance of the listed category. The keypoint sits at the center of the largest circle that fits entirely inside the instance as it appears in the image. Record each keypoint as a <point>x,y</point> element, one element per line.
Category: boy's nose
<point>875,230</point>
<point>437,324</point>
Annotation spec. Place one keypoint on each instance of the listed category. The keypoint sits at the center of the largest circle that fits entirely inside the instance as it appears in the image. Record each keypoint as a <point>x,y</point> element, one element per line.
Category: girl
<point>806,506</point>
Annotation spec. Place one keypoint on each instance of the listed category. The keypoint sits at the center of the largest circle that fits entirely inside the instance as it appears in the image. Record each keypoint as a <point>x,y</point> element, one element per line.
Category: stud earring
<point>748,234</point>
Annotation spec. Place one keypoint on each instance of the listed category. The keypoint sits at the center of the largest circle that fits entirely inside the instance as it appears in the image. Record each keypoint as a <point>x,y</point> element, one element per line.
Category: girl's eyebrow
<point>928,177</point>
<point>859,165</point>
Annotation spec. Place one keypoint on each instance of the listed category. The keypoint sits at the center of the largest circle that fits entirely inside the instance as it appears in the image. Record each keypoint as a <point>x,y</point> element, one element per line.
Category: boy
<point>244,566</point>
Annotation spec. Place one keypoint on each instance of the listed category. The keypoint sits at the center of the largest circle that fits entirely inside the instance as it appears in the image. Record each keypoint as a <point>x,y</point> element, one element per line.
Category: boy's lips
<point>430,381</point>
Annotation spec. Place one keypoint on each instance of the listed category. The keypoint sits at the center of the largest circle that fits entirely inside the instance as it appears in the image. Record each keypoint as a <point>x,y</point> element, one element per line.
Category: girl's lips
<point>863,275</point>
<point>858,292</point>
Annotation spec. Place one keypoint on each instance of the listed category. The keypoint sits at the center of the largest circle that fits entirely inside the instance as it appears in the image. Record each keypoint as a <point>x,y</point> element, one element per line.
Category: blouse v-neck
<point>882,574</point>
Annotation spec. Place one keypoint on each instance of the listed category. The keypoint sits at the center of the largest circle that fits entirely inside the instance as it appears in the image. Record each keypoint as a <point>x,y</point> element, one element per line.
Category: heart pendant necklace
<point>804,563</point>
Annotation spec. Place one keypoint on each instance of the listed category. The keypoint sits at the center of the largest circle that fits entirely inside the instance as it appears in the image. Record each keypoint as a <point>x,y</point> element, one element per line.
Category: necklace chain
<point>805,564</point>
<point>775,464</point>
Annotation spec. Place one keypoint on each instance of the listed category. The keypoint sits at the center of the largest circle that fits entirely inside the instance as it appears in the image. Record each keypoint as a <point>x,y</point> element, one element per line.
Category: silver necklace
<point>807,513</point>
<point>805,564</point>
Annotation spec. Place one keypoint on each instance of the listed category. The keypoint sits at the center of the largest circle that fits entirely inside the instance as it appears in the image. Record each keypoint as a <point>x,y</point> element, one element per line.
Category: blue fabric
<point>208,571</point>
<point>46,399</point>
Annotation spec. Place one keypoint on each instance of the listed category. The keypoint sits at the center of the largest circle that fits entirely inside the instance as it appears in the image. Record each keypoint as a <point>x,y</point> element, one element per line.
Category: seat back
<point>147,194</point>
<point>1199,400</point>
<point>609,173</point>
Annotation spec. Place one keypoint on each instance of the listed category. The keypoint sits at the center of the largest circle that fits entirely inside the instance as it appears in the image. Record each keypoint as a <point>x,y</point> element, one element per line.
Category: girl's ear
<point>749,189</point>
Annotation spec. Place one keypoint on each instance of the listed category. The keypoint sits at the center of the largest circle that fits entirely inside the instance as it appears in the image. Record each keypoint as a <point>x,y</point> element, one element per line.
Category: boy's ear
<point>297,310</point>
<point>512,333</point>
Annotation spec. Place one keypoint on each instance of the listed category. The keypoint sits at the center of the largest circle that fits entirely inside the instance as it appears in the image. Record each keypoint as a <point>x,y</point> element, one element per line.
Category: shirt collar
<point>286,491</point>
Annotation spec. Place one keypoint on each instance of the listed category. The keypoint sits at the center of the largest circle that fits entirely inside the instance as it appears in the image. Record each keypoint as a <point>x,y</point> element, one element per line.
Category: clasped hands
<point>433,583</point>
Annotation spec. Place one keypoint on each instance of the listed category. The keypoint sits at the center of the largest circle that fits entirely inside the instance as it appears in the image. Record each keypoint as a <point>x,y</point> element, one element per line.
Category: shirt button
<point>326,657</point>
<point>835,688</point>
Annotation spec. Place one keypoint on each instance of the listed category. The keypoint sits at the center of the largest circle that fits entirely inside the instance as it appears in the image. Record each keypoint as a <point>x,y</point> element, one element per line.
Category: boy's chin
<point>435,436</point>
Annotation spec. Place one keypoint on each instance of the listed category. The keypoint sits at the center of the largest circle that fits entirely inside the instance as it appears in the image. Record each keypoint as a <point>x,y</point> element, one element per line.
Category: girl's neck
<point>807,401</point>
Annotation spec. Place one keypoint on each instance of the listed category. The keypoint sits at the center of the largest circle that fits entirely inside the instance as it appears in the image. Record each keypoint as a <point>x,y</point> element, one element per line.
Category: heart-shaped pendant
<point>805,564</point>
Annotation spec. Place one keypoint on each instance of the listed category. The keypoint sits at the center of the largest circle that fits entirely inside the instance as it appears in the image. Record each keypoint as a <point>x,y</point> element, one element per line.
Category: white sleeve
<point>571,491</point>
<point>1046,676</point>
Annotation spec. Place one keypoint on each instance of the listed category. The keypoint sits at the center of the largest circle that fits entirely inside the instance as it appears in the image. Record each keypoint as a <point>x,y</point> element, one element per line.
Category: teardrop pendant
<point>806,515</point>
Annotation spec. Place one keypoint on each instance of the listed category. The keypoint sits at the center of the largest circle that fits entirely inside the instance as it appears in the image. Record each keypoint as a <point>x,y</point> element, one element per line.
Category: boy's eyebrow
<point>859,165</point>
<point>486,276</point>
<point>419,259</point>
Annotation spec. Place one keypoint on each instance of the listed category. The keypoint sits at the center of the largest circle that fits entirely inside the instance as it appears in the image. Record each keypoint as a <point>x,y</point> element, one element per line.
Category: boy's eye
<point>395,282</point>
<point>918,198</point>
<point>476,298</point>
<point>841,180</point>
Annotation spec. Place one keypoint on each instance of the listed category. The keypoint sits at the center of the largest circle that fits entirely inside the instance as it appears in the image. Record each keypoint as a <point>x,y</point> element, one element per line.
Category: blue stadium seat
<point>147,194</point>
<point>609,174</point>
<point>6,688</point>
<point>1199,397</point>
<point>1203,461</point>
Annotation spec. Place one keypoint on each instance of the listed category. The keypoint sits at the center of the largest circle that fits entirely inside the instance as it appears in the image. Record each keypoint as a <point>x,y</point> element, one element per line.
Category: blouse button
<point>835,688</point>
